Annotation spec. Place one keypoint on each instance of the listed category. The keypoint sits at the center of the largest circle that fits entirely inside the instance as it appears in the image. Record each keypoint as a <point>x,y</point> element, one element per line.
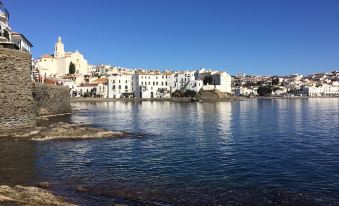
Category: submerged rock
<point>73,131</point>
<point>83,188</point>
<point>33,196</point>
<point>43,185</point>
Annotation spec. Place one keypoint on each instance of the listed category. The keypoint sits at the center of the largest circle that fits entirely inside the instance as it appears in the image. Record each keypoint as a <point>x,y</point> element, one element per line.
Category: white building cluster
<point>156,84</point>
<point>319,84</point>
<point>125,83</point>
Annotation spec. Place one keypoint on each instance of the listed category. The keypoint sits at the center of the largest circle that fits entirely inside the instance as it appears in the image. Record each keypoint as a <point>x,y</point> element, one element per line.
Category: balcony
<point>4,37</point>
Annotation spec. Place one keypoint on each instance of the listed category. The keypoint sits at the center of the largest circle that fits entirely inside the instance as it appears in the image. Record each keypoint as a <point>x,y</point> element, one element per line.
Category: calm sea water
<point>255,152</point>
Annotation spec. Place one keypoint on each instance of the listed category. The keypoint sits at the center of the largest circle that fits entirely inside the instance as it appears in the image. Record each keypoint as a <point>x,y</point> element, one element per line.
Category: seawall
<point>51,100</point>
<point>17,106</point>
<point>22,100</point>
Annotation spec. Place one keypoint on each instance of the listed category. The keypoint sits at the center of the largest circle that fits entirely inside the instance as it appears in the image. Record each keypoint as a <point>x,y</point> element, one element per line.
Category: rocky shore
<point>62,130</point>
<point>29,196</point>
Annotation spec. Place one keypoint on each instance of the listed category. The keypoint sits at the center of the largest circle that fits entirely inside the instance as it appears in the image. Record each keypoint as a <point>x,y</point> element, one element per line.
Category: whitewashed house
<point>245,91</point>
<point>120,85</point>
<point>221,80</point>
<point>86,89</point>
<point>70,84</point>
<point>152,84</point>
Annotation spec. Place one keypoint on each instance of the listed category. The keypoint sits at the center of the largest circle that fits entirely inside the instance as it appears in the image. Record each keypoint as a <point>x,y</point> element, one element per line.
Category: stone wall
<point>51,100</point>
<point>17,106</point>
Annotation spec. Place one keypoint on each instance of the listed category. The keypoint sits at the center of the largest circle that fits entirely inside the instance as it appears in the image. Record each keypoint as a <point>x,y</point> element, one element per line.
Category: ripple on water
<point>256,152</point>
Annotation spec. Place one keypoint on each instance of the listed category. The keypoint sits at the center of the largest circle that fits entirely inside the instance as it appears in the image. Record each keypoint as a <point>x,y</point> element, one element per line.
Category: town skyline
<point>304,41</point>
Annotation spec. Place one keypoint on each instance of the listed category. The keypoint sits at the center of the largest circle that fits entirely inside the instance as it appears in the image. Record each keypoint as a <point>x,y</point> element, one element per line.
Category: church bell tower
<point>59,51</point>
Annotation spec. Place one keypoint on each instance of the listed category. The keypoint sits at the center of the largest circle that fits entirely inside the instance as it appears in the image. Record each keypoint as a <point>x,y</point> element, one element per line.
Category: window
<point>126,87</point>
<point>113,81</point>
<point>126,81</point>
<point>119,86</point>
<point>166,83</point>
<point>113,87</point>
<point>156,83</point>
<point>119,81</point>
<point>153,83</point>
<point>163,77</point>
<point>162,83</point>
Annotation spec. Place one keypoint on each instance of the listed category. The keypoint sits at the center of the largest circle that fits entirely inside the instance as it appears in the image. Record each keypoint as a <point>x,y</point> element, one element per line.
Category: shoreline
<point>184,99</point>
<point>188,99</point>
<point>30,195</point>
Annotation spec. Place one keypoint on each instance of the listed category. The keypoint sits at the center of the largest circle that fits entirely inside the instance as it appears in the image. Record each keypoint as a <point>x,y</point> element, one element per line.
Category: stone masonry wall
<point>51,100</point>
<point>17,106</point>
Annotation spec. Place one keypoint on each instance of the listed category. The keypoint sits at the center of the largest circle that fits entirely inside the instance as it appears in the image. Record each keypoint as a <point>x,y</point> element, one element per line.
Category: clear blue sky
<point>239,36</point>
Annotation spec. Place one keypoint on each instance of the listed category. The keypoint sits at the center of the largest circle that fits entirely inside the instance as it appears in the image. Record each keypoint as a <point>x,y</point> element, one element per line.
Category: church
<point>58,64</point>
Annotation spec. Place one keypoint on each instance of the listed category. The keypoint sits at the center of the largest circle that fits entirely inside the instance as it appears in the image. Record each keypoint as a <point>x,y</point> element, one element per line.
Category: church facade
<point>58,64</point>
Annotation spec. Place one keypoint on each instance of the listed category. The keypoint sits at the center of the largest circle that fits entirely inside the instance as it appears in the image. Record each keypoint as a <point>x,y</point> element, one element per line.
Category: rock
<point>213,95</point>
<point>44,185</point>
<point>82,188</point>
<point>62,130</point>
<point>20,195</point>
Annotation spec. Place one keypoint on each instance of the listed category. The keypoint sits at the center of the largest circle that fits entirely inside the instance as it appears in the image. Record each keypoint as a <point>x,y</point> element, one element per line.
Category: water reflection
<point>191,153</point>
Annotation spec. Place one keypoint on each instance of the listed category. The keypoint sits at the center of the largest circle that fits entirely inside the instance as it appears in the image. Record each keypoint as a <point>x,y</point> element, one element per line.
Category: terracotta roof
<point>50,81</point>
<point>101,80</point>
<point>47,56</point>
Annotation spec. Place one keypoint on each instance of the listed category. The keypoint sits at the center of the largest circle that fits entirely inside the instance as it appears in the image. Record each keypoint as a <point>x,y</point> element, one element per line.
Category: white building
<point>186,81</point>
<point>86,90</point>
<point>220,80</point>
<point>323,90</point>
<point>58,64</point>
<point>70,84</point>
<point>9,39</point>
<point>120,85</point>
<point>150,84</point>
<point>245,91</point>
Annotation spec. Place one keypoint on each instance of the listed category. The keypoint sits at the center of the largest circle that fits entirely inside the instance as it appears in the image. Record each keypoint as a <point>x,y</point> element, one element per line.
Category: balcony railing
<point>5,34</point>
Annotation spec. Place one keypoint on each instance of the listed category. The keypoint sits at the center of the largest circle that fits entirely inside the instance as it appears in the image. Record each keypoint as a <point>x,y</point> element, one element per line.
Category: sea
<point>250,152</point>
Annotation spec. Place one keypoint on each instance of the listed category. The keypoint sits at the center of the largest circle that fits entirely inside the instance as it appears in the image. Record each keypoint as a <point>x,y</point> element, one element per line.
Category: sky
<point>263,37</point>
